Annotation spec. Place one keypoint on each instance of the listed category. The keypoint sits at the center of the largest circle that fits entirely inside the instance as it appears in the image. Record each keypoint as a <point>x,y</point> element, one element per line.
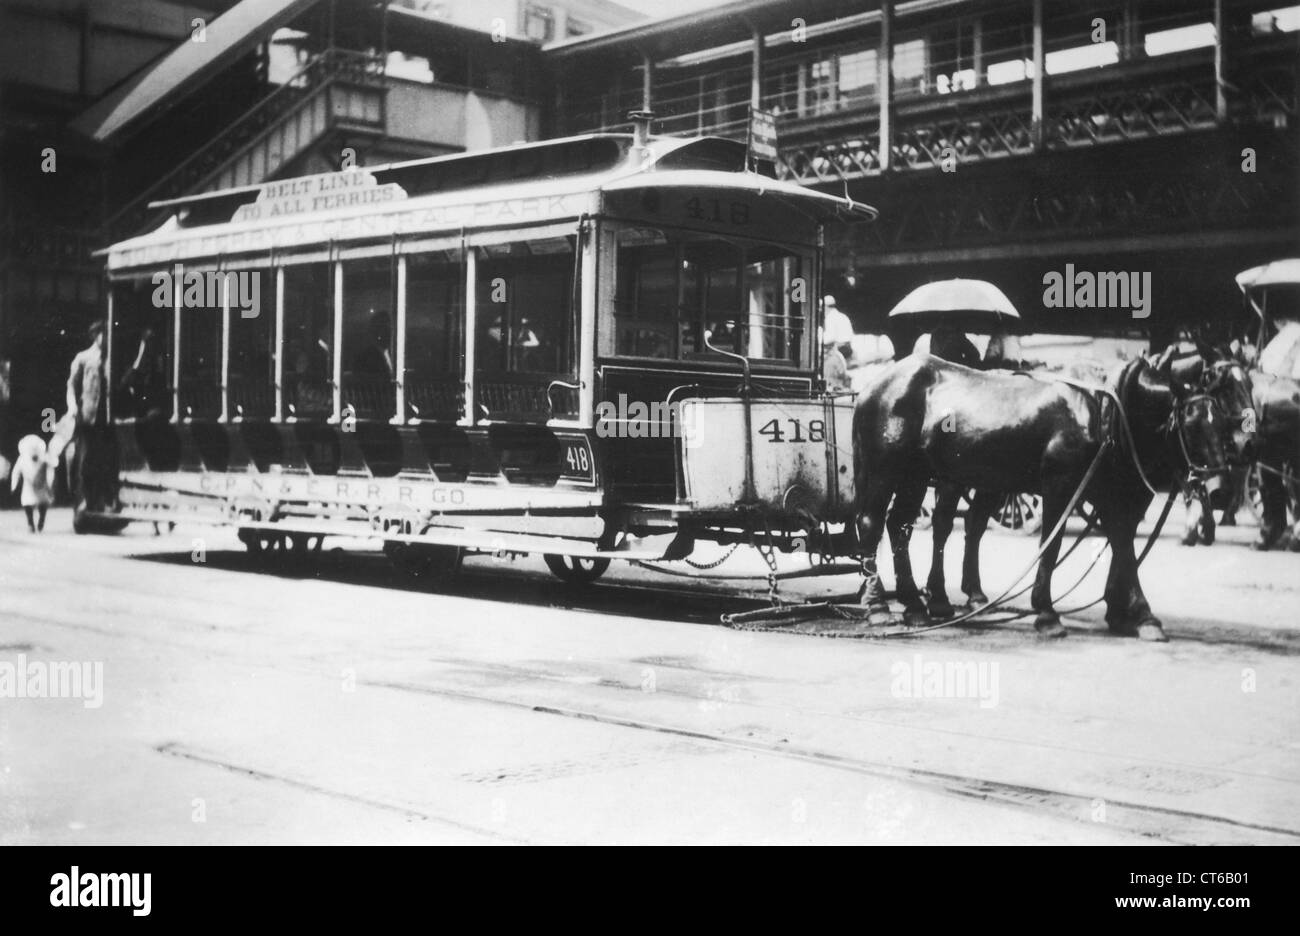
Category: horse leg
<point>1194,511</point>
<point>1127,611</point>
<point>1198,525</point>
<point>946,498</point>
<point>981,509</point>
<point>902,517</point>
<point>871,527</point>
<point>1236,489</point>
<point>1272,495</point>
<point>1207,520</point>
<point>1056,495</point>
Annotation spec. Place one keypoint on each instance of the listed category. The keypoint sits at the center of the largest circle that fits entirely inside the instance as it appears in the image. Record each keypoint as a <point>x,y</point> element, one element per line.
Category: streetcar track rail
<point>1162,822</point>
<point>1139,818</point>
<point>1197,826</point>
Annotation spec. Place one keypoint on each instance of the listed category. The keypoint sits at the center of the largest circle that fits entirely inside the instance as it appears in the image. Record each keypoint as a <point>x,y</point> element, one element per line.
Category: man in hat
<point>837,345</point>
<point>92,470</point>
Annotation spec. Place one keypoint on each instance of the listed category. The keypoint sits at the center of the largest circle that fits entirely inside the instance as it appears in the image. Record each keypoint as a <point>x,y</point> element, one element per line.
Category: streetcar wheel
<point>1020,512</point>
<point>84,522</point>
<point>423,561</point>
<point>575,570</point>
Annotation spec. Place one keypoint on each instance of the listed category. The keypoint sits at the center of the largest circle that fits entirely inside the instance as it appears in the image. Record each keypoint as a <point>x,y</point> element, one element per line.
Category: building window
<point>857,76</point>
<point>821,86</point>
<point>782,89</point>
<point>911,66</point>
<point>539,23</point>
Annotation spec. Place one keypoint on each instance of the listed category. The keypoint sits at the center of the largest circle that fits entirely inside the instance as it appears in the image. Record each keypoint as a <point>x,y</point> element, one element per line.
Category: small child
<point>34,473</point>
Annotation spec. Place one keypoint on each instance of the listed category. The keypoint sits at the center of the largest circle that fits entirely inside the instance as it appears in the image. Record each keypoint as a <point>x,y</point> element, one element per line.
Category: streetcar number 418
<point>814,432</point>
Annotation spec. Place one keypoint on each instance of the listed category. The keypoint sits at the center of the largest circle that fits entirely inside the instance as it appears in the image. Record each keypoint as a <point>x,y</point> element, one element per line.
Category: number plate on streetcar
<point>577,461</point>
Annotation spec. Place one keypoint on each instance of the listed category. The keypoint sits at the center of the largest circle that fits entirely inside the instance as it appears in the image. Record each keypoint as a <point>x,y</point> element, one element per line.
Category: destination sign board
<point>762,134</point>
<point>352,188</point>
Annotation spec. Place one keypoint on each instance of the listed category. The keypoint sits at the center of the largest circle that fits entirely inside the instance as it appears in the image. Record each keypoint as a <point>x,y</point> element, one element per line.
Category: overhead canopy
<point>1277,273</point>
<point>189,65</point>
<point>966,304</point>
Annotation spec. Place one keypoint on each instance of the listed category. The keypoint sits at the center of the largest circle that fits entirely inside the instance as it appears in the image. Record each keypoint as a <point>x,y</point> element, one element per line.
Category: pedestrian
<point>952,345</point>
<point>93,472</point>
<point>837,345</point>
<point>33,472</point>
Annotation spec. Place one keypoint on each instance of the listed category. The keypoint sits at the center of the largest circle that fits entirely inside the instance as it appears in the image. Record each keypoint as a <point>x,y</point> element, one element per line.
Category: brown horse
<point>924,420</point>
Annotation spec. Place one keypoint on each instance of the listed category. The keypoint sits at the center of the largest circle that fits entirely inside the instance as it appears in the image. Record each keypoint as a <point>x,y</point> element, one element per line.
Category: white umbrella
<point>1277,273</point>
<point>965,304</point>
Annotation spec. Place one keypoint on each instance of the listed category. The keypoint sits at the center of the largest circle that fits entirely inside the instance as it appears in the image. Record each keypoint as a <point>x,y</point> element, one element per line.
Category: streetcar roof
<point>450,195</point>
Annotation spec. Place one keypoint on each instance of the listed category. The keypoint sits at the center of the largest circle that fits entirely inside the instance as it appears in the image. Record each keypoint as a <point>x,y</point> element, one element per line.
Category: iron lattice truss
<point>1171,190</point>
<point>996,123</point>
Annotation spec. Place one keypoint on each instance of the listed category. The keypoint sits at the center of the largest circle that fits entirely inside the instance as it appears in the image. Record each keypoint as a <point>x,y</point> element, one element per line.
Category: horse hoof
<point>1189,538</point>
<point>916,617</point>
<point>1152,631</point>
<point>1228,520</point>
<point>1049,627</point>
<point>880,616</point>
<point>941,610</point>
<point>1261,546</point>
<point>976,600</point>
<point>870,594</point>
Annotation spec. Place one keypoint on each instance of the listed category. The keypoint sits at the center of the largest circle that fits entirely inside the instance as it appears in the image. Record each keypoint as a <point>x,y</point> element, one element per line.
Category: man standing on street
<point>92,469</point>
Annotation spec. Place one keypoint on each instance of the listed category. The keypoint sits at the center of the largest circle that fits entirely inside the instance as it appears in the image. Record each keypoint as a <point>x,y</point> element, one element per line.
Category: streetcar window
<point>200,370</point>
<point>645,299</point>
<point>435,359</point>
<point>673,293</point>
<point>525,329</point>
<point>368,353</point>
<point>252,355</point>
<point>308,341</point>
<point>142,349</point>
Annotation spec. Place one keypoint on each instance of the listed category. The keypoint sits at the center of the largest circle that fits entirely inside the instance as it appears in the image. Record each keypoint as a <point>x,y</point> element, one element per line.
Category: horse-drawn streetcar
<point>602,347</point>
<point>597,348</point>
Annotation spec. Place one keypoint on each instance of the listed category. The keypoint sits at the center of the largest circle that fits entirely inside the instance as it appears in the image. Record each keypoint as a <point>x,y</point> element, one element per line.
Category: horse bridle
<point>1213,376</point>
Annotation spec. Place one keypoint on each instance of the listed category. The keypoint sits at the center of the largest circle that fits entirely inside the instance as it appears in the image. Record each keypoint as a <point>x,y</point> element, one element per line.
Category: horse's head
<point>1225,378</point>
<point>1212,415</point>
